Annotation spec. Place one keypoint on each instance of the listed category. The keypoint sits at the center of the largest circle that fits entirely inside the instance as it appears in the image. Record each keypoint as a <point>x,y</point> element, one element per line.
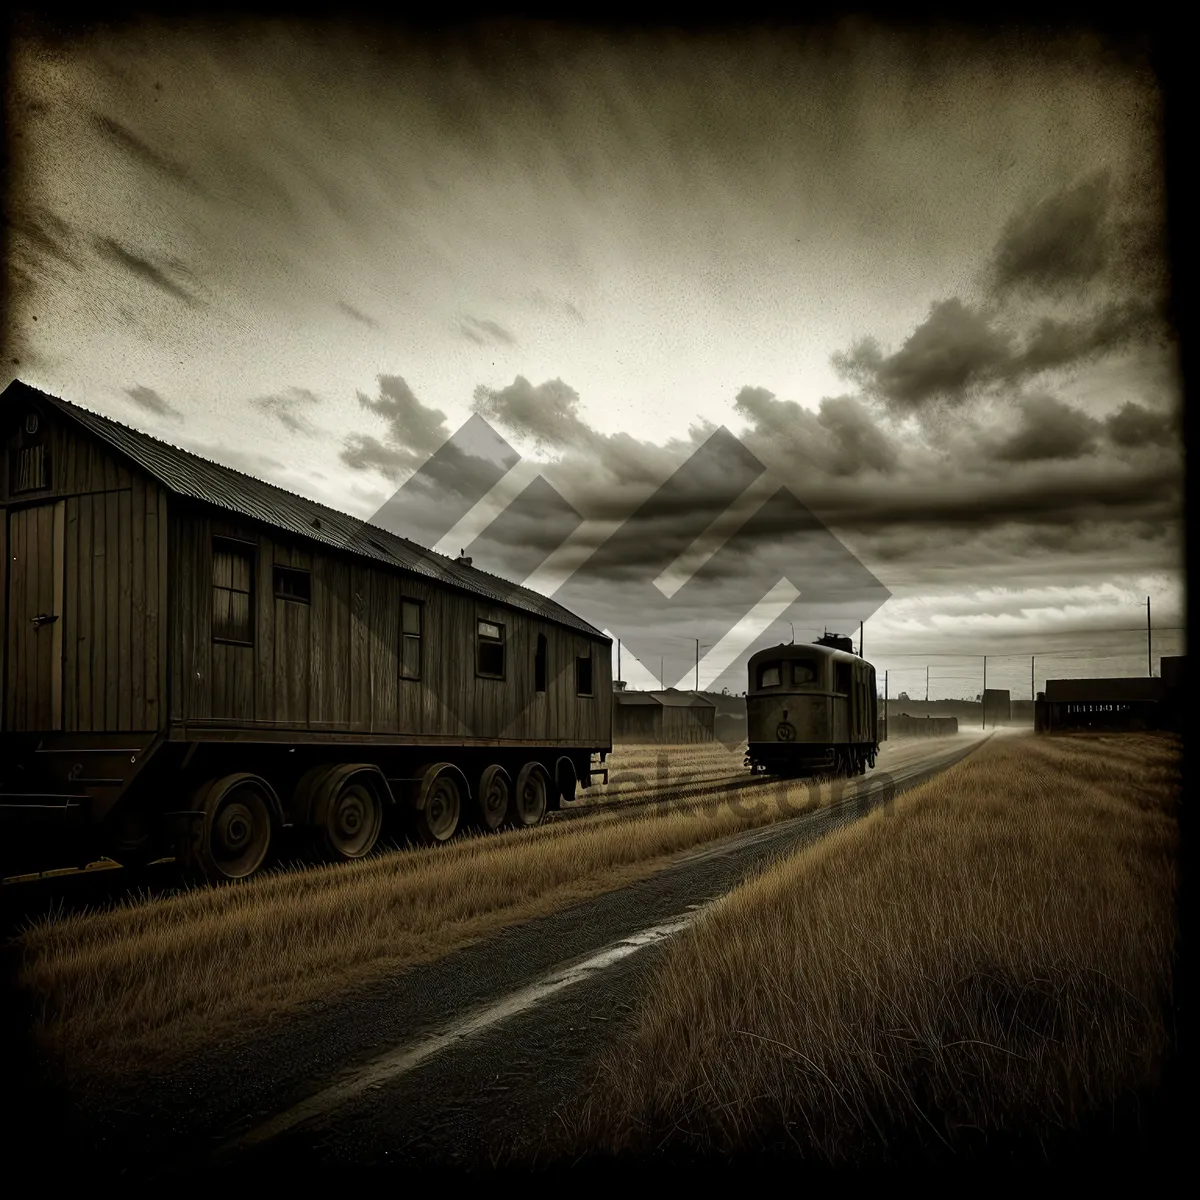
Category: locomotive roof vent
<point>837,641</point>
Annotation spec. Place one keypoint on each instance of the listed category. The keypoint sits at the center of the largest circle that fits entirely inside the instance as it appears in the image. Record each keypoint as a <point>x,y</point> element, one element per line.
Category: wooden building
<point>665,717</point>
<point>1100,704</point>
<point>167,616</point>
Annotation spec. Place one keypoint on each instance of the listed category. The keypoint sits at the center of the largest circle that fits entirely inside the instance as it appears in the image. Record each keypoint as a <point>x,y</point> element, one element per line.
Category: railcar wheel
<point>530,798</point>
<point>348,820</point>
<point>439,804</point>
<point>231,840</point>
<point>493,798</point>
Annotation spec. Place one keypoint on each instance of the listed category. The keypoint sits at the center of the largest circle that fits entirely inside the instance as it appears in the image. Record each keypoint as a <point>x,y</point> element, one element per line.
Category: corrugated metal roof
<point>1086,690</point>
<point>188,475</point>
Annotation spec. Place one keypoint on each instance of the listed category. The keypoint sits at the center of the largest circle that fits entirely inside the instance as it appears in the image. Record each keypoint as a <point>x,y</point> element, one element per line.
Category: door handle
<point>44,619</point>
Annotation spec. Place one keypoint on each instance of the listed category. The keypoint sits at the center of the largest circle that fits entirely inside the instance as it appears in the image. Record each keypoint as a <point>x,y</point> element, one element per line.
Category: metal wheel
<point>439,804</point>
<point>232,839</point>
<point>529,800</point>
<point>348,820</point>
<point>493,798</point>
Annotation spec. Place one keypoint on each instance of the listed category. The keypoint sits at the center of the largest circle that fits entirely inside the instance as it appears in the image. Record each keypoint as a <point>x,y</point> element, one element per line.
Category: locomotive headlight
<point>785,731</point>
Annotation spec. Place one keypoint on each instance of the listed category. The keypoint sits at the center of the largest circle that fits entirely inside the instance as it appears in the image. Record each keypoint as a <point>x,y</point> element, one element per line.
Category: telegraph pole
<point>697,664</point>
<point>860,629</point>
<point>1149,661</point>
<point>886,720</point>
<point>1032,685</point>
<point>618,658</point>
<point>927,684</point>
<point>983,697</point>
<point>662,679</point>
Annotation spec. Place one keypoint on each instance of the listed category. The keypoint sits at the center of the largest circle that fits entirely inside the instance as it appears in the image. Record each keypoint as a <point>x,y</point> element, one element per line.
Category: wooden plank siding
<point>113,584</point>
<point>334,664</point>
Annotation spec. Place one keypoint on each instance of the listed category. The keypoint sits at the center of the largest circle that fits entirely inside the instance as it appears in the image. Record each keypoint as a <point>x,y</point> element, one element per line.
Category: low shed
<point>1131,703</point>
<point>663,717</point>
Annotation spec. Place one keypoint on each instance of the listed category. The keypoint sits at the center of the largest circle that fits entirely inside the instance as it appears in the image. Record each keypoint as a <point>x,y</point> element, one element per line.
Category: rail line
<point>24,898</point>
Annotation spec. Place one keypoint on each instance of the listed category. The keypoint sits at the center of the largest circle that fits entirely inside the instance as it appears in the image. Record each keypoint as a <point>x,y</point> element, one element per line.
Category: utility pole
<point>1149,661</point>
<point>697,664</point>
<point>983,698</point>
<point>1032,684</point>
<point>927,684</point>
<point>860,629</point>
<point>886,720</point>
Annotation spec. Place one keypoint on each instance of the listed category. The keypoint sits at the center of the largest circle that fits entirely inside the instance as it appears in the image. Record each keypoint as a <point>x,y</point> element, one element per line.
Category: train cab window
<point>768,675</point>
<point>410,639</point>
<point>233,591</point>
<point>583,674</point>
<point>489,659</point>
<point>539,664</point>
<point>841,678</point>
<point>804,672</point>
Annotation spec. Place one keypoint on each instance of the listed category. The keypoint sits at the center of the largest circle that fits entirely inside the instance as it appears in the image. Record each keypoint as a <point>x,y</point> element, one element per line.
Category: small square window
<point>294,585</point>
<point>768,676</point>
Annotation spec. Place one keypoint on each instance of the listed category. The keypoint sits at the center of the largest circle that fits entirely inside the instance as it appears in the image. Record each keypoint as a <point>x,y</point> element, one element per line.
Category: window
<point>233,591</point>
<point>539,664</point>
<point>410,639</point>
<point>804,672</point>
<point>583,674</point>
<point>768,676</point>
<point>31,469</point>
<point>489,660</point>
<point>841,677</point>
<point>294,585</point>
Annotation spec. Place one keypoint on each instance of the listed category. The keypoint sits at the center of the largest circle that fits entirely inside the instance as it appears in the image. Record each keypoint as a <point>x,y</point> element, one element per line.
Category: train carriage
<point>811,709</point>
<point>195,661</point>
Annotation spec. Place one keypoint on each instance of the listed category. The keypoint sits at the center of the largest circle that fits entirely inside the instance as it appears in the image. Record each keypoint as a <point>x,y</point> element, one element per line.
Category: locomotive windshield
<point>768,675</point>
<point>804,671</point>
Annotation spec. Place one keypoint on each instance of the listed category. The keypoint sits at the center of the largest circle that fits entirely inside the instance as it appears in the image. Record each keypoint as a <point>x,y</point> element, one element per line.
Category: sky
<point>915,280</point>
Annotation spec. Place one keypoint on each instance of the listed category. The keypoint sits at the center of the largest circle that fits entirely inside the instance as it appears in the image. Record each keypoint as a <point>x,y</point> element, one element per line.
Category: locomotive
<point>811,709</point>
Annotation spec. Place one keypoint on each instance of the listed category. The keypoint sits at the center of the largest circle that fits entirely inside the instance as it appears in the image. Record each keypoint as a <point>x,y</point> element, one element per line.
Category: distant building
<point>1140,702</point>
<point>667,717</point>
<point>997,707</point>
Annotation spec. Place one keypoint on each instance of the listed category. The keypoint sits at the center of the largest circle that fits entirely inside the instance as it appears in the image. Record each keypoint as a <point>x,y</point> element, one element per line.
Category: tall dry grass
<point>139,986</point>
<point>993,959</point>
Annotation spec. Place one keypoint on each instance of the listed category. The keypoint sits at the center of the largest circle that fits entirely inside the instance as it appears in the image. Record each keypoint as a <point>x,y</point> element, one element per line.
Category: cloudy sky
<point>916,282</point>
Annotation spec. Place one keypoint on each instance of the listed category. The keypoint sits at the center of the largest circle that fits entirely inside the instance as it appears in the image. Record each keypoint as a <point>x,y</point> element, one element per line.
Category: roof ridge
<point>444,561</point>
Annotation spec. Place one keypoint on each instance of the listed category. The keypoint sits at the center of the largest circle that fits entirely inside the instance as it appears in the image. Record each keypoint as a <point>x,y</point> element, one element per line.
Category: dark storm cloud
<point>1134,426</point>
<point>355,315</point>
<point>137,149</point>
<point>415,431</point>
<point>547,412</point>
<point>287,407</point>
<point>1050,429</point>
<point>955,351</point>
<point>483,332</point>
<point>151,401</point>
<point>959,352</point>
<point>144,269</point>
<point>1057,244</point>
<point>842,438</point>
<point>1060,343</point>
<point>413,425</point>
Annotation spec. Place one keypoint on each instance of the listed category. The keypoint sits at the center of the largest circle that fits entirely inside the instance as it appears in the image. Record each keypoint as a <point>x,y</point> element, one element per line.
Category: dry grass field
<point>992,959</point>
<point>136,986</point>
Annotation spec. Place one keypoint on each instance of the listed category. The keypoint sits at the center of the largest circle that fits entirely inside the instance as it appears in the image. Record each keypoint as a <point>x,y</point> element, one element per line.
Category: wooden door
<point>33,692</point>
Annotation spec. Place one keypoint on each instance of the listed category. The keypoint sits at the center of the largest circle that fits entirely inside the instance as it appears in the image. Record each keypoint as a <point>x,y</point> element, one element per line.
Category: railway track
<point>24,899</point>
